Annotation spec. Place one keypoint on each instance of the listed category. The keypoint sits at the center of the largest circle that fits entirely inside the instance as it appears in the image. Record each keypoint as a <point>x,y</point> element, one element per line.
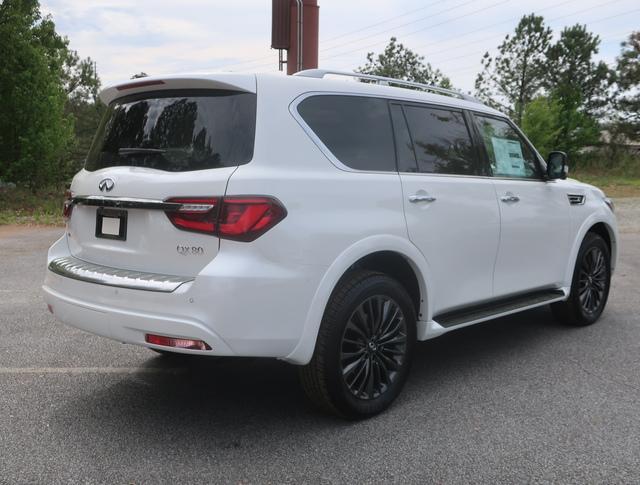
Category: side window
<point>404,146</point>
<point>508,153</point>
<point>441,141</point>
<point>357,130</point>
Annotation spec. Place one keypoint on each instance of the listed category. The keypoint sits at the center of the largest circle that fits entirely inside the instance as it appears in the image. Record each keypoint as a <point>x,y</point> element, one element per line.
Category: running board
<point>496,308</point>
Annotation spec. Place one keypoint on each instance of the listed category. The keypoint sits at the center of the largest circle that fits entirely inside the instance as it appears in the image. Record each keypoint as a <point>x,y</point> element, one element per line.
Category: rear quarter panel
<point>329,210</point>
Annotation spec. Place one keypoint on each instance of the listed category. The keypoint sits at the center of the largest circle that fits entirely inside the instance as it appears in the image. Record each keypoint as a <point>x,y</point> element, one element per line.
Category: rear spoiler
<point>224,80</point>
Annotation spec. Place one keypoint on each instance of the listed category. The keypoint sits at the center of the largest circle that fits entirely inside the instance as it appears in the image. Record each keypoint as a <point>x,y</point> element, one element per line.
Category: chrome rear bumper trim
<point>71,267</point>
<point>125,203</point>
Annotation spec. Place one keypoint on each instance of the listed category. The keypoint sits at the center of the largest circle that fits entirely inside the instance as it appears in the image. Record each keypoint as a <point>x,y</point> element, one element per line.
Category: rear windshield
<point>176,131</point>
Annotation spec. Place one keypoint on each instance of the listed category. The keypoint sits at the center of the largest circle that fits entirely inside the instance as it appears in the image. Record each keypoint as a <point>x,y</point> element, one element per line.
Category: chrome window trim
<point>77,269</point>
<point>489,177</point>
<point>293,109</point>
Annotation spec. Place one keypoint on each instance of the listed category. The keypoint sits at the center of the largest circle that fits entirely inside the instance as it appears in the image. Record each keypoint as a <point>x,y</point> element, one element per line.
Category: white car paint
<point>266,298</point>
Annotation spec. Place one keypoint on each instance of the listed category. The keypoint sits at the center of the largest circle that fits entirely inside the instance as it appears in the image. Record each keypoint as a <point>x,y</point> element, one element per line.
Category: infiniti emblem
<point>106,185</point>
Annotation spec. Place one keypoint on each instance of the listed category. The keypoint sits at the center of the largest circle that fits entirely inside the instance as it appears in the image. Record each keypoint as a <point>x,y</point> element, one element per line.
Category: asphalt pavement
<point>519,399</point>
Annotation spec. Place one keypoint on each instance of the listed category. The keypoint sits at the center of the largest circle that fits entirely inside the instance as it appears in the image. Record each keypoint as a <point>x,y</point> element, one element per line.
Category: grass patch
<point>616,173</point>
<point>21,206</point>
<point>615,186</point>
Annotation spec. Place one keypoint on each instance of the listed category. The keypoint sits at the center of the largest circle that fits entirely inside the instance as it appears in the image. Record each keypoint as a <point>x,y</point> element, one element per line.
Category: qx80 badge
<point>106,185</point>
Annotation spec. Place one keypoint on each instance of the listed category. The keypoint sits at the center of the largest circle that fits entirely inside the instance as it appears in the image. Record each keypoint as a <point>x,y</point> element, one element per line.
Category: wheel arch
<point>374,253</point>
<point>598,225</point>
<point>606,232</point>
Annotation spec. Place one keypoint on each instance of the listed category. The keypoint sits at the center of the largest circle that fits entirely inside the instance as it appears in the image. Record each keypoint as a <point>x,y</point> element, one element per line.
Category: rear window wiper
<point>133,151</point>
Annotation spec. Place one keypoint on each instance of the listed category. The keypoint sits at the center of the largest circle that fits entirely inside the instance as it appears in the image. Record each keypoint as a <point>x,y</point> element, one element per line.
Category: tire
<point>590,284</point>
<point>368,332</point>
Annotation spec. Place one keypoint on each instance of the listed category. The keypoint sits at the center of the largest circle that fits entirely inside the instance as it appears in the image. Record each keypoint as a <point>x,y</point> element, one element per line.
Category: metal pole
<point>300,34</point>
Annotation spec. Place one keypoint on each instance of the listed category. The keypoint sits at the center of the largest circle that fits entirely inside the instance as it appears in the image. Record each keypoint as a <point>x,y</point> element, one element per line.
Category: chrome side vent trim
<point>77,269</point>
<point>577,199</point>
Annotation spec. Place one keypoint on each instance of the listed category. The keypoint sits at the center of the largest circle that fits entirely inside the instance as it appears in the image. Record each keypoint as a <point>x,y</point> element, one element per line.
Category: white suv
<point>330,224</point>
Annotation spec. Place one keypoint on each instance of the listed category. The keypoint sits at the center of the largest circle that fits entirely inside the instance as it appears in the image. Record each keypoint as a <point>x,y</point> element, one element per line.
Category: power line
<point>421,30</point>
<point>402,25</point>
<point>492,25</point>
<point>609,38</point>
<point>247,62</point>
<point>550,21</point>
<point>346,34</point>
<point>356,31</point>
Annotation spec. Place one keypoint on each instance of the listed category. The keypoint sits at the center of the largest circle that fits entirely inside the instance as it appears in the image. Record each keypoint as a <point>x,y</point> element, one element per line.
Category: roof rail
<point>386,81</point>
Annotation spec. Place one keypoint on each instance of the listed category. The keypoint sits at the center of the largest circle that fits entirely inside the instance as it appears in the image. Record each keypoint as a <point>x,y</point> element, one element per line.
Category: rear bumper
<point>128,325</point>
<point>71,267</point>
<point>240,304</point>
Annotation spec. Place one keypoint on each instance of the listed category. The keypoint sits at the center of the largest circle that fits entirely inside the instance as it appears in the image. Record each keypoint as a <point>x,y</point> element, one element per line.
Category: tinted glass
<point>357,130</point>
<point>404,146</point>
<point>441,141</point>
<point>177,131</point>
<point>509,155</point>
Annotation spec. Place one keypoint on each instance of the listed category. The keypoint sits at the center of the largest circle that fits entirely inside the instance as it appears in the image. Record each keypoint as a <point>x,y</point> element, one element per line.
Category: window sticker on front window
<point>509,159</point>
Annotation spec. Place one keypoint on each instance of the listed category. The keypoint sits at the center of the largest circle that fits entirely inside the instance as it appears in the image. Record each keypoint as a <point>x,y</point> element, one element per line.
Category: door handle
<point>421,198</point>
<point>509,197</point>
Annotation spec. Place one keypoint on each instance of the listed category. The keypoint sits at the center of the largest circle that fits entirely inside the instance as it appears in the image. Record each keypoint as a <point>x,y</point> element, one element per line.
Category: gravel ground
<point>628,212</point>
<point>519,399</point>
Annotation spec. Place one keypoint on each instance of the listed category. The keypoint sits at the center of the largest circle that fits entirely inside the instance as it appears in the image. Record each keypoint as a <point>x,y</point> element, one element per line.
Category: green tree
<point>510,80</point>
<point>541,123</point>
<point>572,75</point>
<point>579,84</point>
<point>399,62</point>
<point>81,84</point>
<point>79,76</point>
<point>35,131</point>
<point>627,100</point>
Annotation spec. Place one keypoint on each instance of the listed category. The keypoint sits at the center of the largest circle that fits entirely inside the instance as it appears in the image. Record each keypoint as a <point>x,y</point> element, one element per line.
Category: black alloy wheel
<point>593,280</point>
<point>373,347</point>
<point>364,347</point>
<point>590,284</point>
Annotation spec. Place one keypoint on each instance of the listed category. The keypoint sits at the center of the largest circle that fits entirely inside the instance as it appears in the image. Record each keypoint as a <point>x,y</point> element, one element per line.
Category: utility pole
<point>294,29</point>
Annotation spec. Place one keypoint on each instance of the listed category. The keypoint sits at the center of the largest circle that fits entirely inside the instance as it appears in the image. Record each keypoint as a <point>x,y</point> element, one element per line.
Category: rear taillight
<point>178,343</point>
<point>240,218</point>
<point>195,214</point>
<point>67,207</point>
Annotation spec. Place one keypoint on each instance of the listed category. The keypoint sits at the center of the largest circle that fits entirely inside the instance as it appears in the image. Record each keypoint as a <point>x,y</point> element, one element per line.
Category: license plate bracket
<point>111,224</point>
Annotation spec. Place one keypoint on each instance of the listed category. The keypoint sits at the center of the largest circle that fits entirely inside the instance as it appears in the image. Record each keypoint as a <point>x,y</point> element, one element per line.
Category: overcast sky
<point>164,36</point>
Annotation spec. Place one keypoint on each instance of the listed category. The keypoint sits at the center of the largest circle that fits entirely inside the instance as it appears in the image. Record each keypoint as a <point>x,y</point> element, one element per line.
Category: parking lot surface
<point>519,399</point>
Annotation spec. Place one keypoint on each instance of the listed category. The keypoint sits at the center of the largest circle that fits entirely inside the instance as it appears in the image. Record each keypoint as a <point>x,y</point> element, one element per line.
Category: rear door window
<point>441,141</point>
<point>355,129</point>
<point>176,131</point>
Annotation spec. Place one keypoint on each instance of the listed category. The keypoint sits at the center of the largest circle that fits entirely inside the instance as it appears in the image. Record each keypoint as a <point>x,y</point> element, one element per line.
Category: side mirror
<point>557,167</point>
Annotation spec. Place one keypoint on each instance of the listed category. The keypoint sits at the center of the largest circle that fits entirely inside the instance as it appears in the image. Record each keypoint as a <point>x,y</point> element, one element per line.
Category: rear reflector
<point>240,218</point>
<point>178,343</point>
